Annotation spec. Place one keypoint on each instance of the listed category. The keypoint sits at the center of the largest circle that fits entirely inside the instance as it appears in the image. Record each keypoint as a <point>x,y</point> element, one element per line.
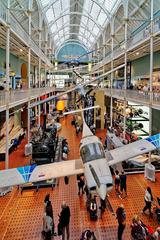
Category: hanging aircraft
<point>94,163</point>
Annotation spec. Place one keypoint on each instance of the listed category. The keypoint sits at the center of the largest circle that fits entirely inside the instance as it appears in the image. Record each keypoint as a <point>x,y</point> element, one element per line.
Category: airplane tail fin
<point>86,130</point>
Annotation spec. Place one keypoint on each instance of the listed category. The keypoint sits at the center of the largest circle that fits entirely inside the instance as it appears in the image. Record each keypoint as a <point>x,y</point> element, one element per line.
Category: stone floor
<point>21,214</point>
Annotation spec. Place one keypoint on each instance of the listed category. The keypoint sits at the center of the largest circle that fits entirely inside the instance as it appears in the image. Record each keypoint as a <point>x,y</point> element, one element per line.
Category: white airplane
<point>94,163</point>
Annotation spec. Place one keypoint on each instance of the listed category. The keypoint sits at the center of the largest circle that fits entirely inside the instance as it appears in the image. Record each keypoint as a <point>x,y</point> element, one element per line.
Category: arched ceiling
<point>81,20</point>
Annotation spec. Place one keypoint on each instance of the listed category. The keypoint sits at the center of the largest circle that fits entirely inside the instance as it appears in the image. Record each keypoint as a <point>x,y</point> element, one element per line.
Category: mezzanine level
<point>16,97</point>
<point>151,99</point>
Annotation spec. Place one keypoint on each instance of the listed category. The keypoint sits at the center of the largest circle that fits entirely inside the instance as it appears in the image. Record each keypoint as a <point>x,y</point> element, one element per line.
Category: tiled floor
<point>21,215</point>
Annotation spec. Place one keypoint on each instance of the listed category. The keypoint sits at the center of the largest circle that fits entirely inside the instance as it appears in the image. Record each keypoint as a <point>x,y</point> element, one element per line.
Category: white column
<point>36,78</point>
<point>7,139</point>
<point>151,74</point>
<point>7,85</point>
<point>28,125</point>
<point>125,77</point>
<point>29,66</point>
<point>39,113</point>
<point>45,104</point>
<point>39,72</point>
<point>111,105</point>
<point>39,62</point>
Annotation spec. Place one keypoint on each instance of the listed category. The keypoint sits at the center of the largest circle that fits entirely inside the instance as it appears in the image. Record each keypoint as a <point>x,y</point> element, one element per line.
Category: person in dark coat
<point>65,220</point>
<point>123,184</point>
<point>81,183</point>
<point>121,218</point>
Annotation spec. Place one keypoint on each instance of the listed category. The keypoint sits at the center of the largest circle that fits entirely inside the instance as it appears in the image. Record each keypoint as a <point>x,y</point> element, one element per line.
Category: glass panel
<point>92,151</point>
<point>93,11</point>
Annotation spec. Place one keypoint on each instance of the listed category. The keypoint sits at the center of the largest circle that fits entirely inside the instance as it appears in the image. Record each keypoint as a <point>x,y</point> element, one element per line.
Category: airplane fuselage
<point>96,169</point>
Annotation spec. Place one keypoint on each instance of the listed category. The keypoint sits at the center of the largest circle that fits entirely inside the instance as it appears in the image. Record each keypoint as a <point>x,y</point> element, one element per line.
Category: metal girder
<point>76,13</point>
<point>68,33</point>
<point>103,8</point>
<point>68,24</point>
<point>45,9</point>
<point>95,1</point>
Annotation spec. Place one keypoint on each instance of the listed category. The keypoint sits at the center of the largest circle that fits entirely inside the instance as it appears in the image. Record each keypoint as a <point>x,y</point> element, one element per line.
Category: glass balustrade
<point>16,96</point>
<point>145,98</point>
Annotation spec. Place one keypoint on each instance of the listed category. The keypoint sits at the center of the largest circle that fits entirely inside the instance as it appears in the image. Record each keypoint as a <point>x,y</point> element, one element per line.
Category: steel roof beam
<point>78,13</point>
<point>68,24</point>
<point>68,33</point>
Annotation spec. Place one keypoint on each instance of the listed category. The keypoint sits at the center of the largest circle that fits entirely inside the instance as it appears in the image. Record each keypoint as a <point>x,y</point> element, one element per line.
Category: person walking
<point>121,218</point>
<point>47,225</point>
<point>81,183</point>
<point>64,220</point>
<point>123,184</point>
<point>117,182</point>
<point>48,209</point>
<point>148,198</point>
<point>138,231</point>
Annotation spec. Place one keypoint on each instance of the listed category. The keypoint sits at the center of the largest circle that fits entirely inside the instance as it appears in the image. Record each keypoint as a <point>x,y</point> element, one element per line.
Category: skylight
<point>70,19</point>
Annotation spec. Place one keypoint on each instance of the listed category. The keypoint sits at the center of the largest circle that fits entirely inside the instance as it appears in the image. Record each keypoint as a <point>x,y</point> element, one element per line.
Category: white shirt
<point>47,223</point>
<point>147,196</point>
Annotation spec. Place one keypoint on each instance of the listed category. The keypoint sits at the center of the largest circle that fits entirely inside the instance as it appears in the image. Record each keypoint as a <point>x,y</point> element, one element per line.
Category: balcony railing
<point>17,28</point>
<point>143,35</point>
<point>145,98</point>
<point>15,97</point>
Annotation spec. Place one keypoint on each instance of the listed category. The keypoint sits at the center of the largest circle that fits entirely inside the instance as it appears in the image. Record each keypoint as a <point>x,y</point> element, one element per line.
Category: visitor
<point>121,218</point>
<point>64,220</point>
<point>46,200</point>
<point>88,235</point>
<point>81,183</point>
<point>47,225</point>
<point>138,231</point>
<point>123,184</point>
<point>48,208</point>
<point>117,182</point>
<point>148,200</point>
<point>103,204</point>
<point>156,234</point>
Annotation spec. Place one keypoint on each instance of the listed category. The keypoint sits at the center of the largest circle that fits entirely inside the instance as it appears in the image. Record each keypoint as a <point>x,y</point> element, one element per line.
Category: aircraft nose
<point>102,191</point>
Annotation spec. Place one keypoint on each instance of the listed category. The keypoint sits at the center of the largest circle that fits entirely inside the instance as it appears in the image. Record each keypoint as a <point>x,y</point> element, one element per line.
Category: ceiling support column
<point>111,81</point>
<point>29,67</point>
<point>7,85</point>
<point>151,72</point>
<point>125,74</point>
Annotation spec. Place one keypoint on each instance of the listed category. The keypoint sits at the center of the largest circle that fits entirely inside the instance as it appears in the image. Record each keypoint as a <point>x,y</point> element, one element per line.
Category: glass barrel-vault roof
<point>82,20</point>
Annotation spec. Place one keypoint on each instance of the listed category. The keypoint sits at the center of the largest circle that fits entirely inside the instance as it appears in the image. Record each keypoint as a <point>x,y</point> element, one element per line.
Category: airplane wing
<point>133,149</point>
<point>35,173</point>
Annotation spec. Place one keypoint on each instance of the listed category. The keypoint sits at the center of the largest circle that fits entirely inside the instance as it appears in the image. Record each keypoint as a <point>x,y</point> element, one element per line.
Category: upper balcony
<point>145,98</point>
<point>137,40</point>
<point>19,32</point>
<point>16,97</point>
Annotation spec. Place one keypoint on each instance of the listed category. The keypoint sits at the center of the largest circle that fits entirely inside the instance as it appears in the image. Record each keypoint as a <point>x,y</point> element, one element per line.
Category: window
<point>92,151</point>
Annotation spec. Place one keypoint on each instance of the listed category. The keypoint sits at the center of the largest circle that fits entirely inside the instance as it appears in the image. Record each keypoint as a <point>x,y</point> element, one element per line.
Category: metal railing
<point>17,29</point>
<point>14,96</point>
<point>133,40</point>
<point>143,97</point>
